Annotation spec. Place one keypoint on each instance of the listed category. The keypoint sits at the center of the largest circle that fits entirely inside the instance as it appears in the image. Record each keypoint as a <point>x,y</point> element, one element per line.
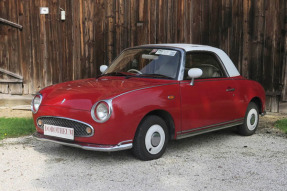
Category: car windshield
<point>146,62</point>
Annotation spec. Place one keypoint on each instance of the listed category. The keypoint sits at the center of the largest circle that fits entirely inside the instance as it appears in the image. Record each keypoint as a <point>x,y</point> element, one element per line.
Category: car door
<point>209,102</point>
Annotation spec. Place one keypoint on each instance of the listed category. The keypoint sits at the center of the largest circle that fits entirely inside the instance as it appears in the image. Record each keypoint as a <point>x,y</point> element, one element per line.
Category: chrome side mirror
<point>194,73</point>
<point>103,68</point>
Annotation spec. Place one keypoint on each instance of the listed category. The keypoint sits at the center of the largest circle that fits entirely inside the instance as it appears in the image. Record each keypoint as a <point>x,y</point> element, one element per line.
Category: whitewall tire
<point>151,138</point>
<point>251,120</point>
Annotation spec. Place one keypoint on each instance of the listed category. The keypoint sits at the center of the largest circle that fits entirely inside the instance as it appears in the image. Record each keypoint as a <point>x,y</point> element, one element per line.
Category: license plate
<point>58,131</point>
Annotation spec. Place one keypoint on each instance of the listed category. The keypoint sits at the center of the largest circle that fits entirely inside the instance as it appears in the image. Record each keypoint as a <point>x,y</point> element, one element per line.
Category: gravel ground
<point>220,160</point>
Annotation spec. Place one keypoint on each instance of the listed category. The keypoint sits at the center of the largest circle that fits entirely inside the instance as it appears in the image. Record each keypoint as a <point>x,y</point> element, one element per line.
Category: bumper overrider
<point>86,146</point>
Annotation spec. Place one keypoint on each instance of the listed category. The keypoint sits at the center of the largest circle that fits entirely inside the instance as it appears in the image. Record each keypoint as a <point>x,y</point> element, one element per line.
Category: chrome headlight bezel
<point>95,113</point>
<point>34,108</point>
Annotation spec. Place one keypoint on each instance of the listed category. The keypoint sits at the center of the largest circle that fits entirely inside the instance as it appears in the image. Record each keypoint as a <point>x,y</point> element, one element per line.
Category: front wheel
<point>251,120</point>
<point>151,138</point>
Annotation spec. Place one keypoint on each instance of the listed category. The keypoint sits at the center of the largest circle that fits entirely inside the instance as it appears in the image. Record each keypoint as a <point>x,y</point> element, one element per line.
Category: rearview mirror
<point>103,68</point>
<point>149,57</point>
<point>194,73</point>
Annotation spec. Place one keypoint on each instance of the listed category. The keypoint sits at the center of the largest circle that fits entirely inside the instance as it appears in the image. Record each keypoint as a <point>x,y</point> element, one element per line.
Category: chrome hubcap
<point>252,120</point>
<point>155,139</point>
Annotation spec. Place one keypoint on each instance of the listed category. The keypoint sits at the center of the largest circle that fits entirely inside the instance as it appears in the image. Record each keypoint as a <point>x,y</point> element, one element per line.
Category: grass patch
<point>15,127</point>
<point>282,124</point>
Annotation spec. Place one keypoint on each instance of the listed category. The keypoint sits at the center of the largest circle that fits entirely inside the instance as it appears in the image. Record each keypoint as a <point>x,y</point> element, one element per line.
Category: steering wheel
<point>134,70</point>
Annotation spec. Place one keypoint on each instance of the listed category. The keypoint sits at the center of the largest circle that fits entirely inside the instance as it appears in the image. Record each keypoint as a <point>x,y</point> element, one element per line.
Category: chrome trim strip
<point>207,129</point>
<point>143,89</point>
<point>182,65</point>
<point>70,120</point>
<point>125,142</point>
<point>207,80</point>
<point>95,147</point>
<point>209,126</point>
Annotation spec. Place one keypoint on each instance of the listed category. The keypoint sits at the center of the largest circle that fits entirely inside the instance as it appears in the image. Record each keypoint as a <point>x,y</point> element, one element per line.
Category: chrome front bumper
<point>86,146</point>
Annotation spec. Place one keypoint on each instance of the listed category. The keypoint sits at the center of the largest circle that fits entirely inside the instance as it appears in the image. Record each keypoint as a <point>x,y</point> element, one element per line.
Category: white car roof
<point>230,67</point>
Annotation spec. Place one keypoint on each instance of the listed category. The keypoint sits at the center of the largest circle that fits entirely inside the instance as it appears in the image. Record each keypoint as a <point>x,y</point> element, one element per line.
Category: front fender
<point>129,109</point>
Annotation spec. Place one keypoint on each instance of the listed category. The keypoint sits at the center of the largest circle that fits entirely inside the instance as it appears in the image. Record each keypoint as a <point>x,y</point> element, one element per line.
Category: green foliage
<point>282,124</point>
<point>15,127</point>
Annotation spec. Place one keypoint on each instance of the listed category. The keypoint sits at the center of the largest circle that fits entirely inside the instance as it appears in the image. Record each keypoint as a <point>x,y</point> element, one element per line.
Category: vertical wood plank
<point>205,22</point>
<point>62,36</point>
<point>284,71</point>
<point>161,32</point>
<point>225,32</point>
<point>269,47</point>
<point>278,47</point>
<point>169,25</point>
<point>110,25</point>
<point>118,27</point>
<point>180,21</point>
<point>127,26</point>
<point>152,22</point>
<point>4,53</point>
<point>246,11</point>
<point>55,50</point>
<point>25,38</point>
<point>68,30</point>
<point>99,34</point>
<point>142,24</point>
<point>216,25</point>
<point>42,70</point>
<point>87,57</point>
<point>133,23</point>
<point>15,51</point>
<point>77,50</point>
<point>196,21</point>
<point>236,47</point>
<point>257,30</point>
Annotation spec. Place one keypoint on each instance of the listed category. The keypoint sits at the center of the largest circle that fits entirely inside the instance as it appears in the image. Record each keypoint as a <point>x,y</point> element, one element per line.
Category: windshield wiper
<point>117,74</point>
<point>156,76</point>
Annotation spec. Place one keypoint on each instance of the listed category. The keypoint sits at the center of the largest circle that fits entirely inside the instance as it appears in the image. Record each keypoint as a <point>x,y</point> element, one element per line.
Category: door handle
<point>230,89</point>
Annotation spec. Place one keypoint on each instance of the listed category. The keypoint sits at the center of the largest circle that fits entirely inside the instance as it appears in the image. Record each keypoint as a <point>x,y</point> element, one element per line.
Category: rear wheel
<point>151,138</point>
<point>251,120</point>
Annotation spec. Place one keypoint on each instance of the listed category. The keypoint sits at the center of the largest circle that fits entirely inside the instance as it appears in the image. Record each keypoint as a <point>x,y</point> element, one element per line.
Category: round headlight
<point>36,102</point>
<point>101,111</point>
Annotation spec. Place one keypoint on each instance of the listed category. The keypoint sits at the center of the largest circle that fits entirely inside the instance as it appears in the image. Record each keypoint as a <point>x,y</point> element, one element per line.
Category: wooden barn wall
<point>49,51</point>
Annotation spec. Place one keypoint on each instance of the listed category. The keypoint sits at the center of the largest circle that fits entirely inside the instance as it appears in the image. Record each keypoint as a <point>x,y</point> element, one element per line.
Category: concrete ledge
<point>22,107</point>
<point>15,97</point>
<point>7,100</point>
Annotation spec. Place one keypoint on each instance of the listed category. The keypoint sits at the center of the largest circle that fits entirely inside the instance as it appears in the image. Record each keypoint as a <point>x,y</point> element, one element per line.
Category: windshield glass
<point>147,62</point>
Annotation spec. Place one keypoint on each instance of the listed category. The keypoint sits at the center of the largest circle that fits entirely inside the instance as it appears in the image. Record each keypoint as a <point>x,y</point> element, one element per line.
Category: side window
<point>206,61</point>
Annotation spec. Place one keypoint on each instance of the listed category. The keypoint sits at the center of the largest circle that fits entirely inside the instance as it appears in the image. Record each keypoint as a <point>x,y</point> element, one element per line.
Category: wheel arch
<point>258,102</point>
<point>166,116</point>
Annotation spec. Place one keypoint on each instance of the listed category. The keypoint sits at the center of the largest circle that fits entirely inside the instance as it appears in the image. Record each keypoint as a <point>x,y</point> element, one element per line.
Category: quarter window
<point>206,61</point>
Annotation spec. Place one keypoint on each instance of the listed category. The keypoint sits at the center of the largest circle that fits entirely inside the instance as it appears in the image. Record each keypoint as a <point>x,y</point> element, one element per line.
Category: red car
<point>148,96</point>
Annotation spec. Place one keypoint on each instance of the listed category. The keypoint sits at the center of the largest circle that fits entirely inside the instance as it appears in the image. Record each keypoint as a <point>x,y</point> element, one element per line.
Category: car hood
<point>83,94</point>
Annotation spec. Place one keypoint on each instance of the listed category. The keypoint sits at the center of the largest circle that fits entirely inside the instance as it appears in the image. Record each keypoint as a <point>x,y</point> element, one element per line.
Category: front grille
<point>79,127</point>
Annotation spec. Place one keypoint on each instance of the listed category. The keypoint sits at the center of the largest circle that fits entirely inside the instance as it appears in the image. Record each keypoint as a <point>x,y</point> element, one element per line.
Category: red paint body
<point>205,103</point>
